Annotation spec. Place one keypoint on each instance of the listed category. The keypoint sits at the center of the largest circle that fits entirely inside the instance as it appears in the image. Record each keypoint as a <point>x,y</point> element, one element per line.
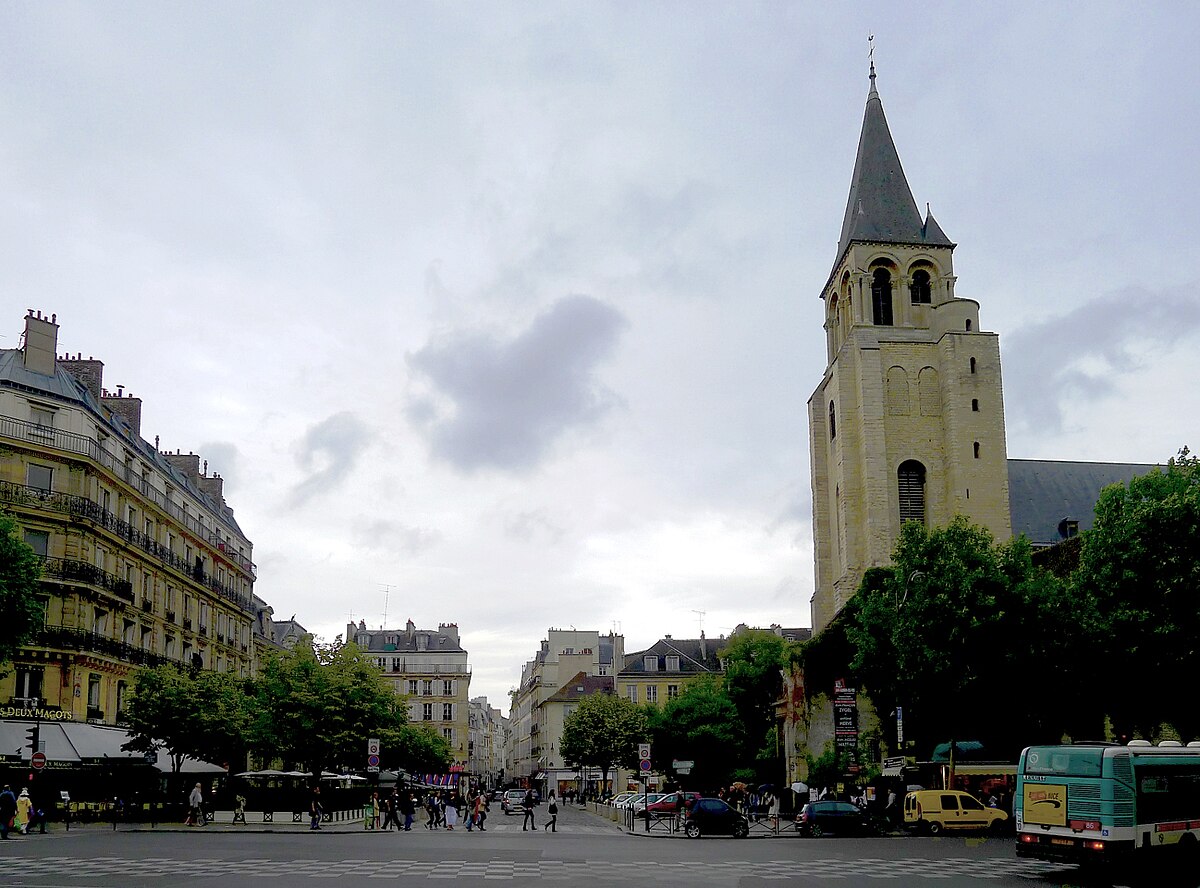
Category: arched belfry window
<point>832,422</point>
<point>920,288</point>
<point>881,297</point>
<point>911,479</point>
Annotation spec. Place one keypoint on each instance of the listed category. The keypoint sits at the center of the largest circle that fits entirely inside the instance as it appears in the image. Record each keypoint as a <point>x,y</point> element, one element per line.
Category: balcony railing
<point>68,638</point>
<point>44,436</point>
<point>82,508</point>
<point>82,572</point>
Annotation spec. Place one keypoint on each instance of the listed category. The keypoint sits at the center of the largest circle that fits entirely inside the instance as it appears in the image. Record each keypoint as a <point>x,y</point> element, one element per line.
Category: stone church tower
<point>907,423</point>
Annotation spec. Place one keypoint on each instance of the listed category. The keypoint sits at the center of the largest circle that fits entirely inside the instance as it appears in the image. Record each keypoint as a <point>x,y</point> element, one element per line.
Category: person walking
<point>314,809</point>
<point>527,804</point>
<point>552,810</point>
<point>8,810</point>
<point>391,807</point>
<point>408,807</point>
<point>24,807</point>
<point>196,807</point>
<point>451,815</point>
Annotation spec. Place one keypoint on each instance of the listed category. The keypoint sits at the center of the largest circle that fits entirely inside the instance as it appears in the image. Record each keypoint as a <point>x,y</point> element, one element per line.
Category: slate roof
<point>881,205</point>
<point>1042,493</point>
<point>696,656</point>
<point>434,642</point>
<point>582,685</point>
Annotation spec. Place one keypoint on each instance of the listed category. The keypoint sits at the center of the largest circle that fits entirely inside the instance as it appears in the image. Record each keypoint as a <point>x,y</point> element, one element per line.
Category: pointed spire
<point>881,206</point>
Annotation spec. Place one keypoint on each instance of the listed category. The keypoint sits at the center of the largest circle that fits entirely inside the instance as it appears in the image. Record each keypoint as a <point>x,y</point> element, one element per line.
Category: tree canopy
<point>700,725</point>
<point>603,732</point>
<point>21,611</point>
<point>1140,575</point>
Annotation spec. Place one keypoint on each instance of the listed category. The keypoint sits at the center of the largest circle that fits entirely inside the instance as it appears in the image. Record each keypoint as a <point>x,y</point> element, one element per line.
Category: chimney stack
<point>88,371</point>
<point>187,464</point>
<point>128,408</point>
<point>41,343</point>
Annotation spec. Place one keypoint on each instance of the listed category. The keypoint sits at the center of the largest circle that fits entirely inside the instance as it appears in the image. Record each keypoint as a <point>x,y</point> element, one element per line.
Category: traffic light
<point>32,736</point>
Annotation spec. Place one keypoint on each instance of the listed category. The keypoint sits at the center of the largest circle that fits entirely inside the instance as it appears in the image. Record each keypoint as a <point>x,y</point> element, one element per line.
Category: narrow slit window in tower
<point>911,480</point>
<point>920,289</point>
<point>977,450</point>
<point>832,422</point>
<point>881,298</point>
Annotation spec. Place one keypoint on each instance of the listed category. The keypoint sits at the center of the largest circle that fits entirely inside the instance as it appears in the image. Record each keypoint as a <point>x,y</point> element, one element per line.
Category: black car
<point>838,818</point>
<point>712,817</point>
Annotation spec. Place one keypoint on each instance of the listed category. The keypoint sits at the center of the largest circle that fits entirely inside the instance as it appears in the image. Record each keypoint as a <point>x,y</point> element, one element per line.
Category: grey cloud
<point>511,400</point>
<point>328,452</point>
<point>224,459</point>
<point>1081,355</point>
<point>525,525</point>
<point>384,535</point>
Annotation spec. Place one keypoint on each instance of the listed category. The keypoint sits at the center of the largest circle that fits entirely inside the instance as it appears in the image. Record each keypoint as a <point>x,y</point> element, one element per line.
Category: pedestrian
<point>408,807</point>
<point>8,810</point>
<point>375,810</point>
<point>451,811</point>
<point>391,812</point>
<point>552,810</point>
<point>314,809</point>
<point>480,810</point>
<point>431,811</point>
<point>773,809</point>
<point>527,806</point>
<point>196,807</point>
<point>24,806</point>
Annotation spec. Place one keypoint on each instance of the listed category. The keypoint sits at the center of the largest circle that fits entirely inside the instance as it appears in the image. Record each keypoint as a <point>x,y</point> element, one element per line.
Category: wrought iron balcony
<point>89,574</point>
<point>69,638</point>
<point>45,436</point>
<point>82,508</point>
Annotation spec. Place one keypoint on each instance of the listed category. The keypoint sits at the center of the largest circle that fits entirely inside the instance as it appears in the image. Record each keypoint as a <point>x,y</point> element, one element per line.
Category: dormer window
<point>672,663</point>
<point>651,663</point>
<point>919,289</point>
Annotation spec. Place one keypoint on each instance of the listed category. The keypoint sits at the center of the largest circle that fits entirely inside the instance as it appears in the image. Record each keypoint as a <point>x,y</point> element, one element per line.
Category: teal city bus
<point>1101,802</point>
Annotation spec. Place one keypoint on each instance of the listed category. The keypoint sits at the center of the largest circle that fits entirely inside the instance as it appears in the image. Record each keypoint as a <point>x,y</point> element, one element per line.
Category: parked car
<point>511,803</point>
<point>837,818</point>
<point>639,802</point>
<point>713,817</point>
<point>672,802</point>
<point>933,810</point>
<point>620,798</point>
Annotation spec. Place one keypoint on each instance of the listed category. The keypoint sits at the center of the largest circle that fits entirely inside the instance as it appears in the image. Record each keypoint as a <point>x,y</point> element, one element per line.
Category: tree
<point>700,725</point>
<point>21,611</point>
<point>1138,569</point>
<point>203,716</point>
<point>603,732</point>
<point>754,663</point>
<point>945,630</point>
<point>317,705</point>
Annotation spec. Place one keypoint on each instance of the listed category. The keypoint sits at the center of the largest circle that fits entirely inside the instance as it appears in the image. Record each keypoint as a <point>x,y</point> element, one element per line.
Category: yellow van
<point>933,810</point>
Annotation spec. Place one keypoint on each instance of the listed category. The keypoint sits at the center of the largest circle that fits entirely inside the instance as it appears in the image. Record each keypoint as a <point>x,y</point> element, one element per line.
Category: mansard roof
<point>881,207</point>
<point>696,656</point>
<point>582,685</point>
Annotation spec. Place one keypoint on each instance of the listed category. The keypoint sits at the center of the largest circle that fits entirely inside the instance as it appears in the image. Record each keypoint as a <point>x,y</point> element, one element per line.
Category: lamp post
<point>912,578</point>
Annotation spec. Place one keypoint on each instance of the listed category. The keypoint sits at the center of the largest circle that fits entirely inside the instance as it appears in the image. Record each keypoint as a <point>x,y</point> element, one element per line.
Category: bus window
<point>1064,761</point>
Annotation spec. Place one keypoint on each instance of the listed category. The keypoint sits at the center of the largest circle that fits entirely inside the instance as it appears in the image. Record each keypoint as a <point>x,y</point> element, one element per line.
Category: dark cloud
<point>508,402</point>
<point>381,534</point>
<point>328,452</point>
<point>1082,355</point>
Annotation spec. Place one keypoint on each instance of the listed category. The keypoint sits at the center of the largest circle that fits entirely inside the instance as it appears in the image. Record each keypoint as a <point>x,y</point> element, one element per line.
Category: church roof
<point>1042,493</point>
<point>881,206</point>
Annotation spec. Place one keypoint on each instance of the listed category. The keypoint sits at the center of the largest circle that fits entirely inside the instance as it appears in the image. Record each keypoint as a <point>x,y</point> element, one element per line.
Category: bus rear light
<point>1094,846</point>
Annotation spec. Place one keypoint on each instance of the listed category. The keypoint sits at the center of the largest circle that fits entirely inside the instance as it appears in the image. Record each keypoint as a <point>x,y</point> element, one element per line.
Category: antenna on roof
<point>387,592</point>
<point>701,613</point>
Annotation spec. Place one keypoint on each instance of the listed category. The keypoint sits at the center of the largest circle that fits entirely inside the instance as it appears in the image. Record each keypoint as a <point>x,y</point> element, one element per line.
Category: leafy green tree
<point>316,705</point>
<point>754,666</point>
<point>947,630</point>
<point>700,725</point>
<point>21,611</point>
<point>603,732</point>
<point>203,716</point>
<point>1139,570</point>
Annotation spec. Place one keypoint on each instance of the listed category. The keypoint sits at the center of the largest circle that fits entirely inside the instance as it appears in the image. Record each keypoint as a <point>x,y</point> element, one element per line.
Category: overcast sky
<point>512,309</point>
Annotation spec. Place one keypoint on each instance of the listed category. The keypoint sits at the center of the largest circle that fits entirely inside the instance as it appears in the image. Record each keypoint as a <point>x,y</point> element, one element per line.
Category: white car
<point>621,798</point>
<point>639,802</point>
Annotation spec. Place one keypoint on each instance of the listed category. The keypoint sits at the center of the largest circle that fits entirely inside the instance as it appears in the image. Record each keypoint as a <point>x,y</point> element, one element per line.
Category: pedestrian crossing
<point>126,870</point>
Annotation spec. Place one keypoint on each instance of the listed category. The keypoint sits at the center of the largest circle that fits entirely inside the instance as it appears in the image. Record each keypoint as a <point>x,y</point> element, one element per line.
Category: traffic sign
<point>373,761</point>
<point>644,765</point>
<point>373,746</point>
<point>643,750</point>
<point>680,765</point>
<point>38,761</point>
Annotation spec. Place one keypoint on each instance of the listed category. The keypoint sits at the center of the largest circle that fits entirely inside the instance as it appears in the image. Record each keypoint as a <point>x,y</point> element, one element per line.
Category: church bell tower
<point>907,422</point>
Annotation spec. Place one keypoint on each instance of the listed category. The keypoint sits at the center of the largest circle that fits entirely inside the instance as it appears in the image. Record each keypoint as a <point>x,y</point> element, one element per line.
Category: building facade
<point>907,422</point>
<point>143,561</point>
<point>487,735</point>
<point>430,668</point>
<point>536,737</point>
<point>660,672</point>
